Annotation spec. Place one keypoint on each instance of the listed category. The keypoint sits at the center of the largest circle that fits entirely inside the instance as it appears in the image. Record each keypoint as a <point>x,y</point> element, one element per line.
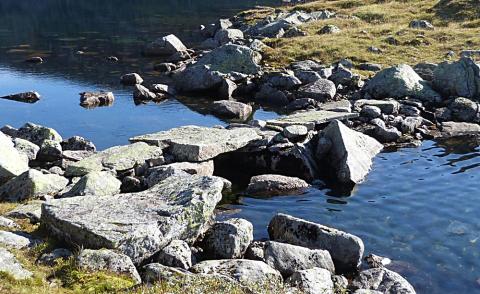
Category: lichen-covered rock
<point>320,90</point>
<point>96,183</point>
<point>136,224</point>
<point>271,185</point>
<point>287,258</point>
<point>16,240</point>
<point>460,78</point>
<point>26,147</point>
<point>118,158</point>
<point>345,249</point>
<point>107,260</point>
<point>465,110</point>
<point>310,118</point>
<point>228,239</point>
<point>32,184</point>
<point>156,272</point>
<point>232,58</point>
<point>31,211</point>
<point>12,163</point>
<point>192,143</point>
<point>37,134</point>
<point>50,150</point>
<point>383,280</point>
<point>312,281</point>
<point>10,265</point>
<point>176,254</point>
<point>77,143</point>
<point>165,46</point>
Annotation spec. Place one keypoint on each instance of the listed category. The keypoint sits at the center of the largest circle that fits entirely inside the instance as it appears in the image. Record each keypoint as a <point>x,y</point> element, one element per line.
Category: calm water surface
<point>418,206</point>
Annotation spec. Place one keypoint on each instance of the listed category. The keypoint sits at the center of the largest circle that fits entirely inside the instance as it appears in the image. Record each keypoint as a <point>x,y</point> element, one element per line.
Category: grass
<point>366,23</point>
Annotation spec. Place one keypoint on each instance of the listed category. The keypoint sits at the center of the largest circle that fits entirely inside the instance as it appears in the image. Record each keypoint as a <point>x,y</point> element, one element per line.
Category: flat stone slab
<point>192,143</point>
<point>310,118</point>
<point>136,224</point>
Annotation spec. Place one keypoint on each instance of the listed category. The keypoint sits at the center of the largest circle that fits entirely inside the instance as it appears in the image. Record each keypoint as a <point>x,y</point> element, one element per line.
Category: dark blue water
<point>418,206</point>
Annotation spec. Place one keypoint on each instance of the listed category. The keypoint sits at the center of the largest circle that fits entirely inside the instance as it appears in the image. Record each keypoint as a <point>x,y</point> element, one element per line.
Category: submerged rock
<point>136,224</point>
<point>383,280</point>
<point>12,163</point>
<point>345,249</point>
<point>10,265</point>
<point>27,97</point>
<point>272,185</point>
<point>228,239</point>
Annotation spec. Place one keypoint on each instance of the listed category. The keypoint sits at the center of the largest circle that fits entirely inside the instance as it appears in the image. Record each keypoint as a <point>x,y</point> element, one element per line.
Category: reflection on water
<point>418,206</point>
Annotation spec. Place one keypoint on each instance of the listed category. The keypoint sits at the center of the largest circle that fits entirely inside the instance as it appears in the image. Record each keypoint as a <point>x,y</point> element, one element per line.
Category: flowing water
<point>418,206</point>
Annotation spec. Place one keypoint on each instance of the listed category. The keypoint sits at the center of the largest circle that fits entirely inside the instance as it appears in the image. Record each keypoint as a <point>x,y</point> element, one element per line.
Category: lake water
<point>418,206</point>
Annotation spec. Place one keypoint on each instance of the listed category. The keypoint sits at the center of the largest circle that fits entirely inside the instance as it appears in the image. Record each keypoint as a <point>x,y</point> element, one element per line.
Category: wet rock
<point>465,110</point>
<point>232,109</point>
<point>16,240</point>
<point>142,93</point>
<point>192,143</point>
<point>107,260</point>
<point>288,259</point>
<point>460,79</point>
<point>312,281</point>
<point>345,249</point>
<point>247,272</point>
<point>7,223</point>
<point>32,184</point>
<point>228,239</point>
<point>310,118</point>
<point>96,183</point>
<point>12,162</point>
<point>26,97</point>
<point>329,29</point>
<point>131,79</point>
<point>224,36</point>
<point>165,46</point>
<point>386,106</point>
<point>118,158</point>
<point>352,152</point>
<point>50,150</point>
<point>295,133</point>
<point>320,90</point>
<point>370,111</point>
<point>136,224</point>
<point>455,129</point>
<point>383,280</point>
<point>31,211</point>
<point>176,254</point>
<point>232,58</point>
<point>272,185</point>
<point>10,265</point>
<point>93,99</point>
<point>78,143</point>
<point>26,147</point>
<point>398,82</point>
<point>421,24</point>
<point>50,259</point>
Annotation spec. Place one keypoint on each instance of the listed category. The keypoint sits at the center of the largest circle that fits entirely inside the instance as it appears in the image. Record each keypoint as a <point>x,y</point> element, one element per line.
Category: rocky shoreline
<point>146,210</point>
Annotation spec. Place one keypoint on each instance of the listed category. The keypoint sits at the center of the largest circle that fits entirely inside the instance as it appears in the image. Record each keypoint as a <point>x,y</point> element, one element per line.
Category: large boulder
<point>165,46</point>
<point>398,82</point>
<point>37,134</point>
<point>320,90</point>
<point>461,78</point>
<point>351,153</point>
<point>136,224</point>
<point>176,254</point>
<point>12,163</point>
<point>192,143</point>
<point>232,58</point>
<point>26,147</point>
<point>118,158</point>
<point>272,185</point>
<point>383,280</point>
<point>312,281</point>
<point>287,258</point>
<point>465,110</point>
<point>345,249</point>
<point>32,184</point>
<point>457,129</point>
<point>10,265</point>
<point>197,78</point>
<point>97,183</point>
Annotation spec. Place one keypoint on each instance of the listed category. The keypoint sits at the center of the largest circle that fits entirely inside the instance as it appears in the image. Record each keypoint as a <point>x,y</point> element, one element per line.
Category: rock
<point>118,158</point>
<point>131,184</point>
<point>410,124</point>
<point>386,106</point>
<point>50,150</point>
<point>10,265</point>
<point>7,223</point>
<point>26,147</point>
<point>224,36</point>
<point>180,56</point>
<point>232,109</point>
<point>192,143</point>
<point>460,79</point>
<point>76,155</point>
<point>37,134</point>
<point>271,96</point>
<point>370,67</point>
<point>96,183</point>
<point>425,70</point>
<point>340,283</point>
<point>272,185</point>
<point>136,224</point>
<point>16,240</point>
<point>320,90</point>
<point>337,106</point>
<point>31,211</point>
<point>288,259</point>
<point>306,65</point>
<point>345,249</point>
<point>352,152</point>
<point>78,143</point>
<point>247,272</point>
<point>465,110</point>
<point>228,239</point>
<point>310,118</point>
<point>93,99</point>
<point>366,291</point>
<point>164,67</point>
<point>256,251</point>
<point>198,78</point>
<point>443,114</point>
<point>307,76</point>
<point>34,59</point>
<point>107,260</point>
<point>312,281</point>
<point>50,259</point>
<point>329,29</point>
<point>456,129</point>
<point>285,81</point>
<point>386,134</point>
<point>371,111</point>
<point>27,97</point>
<point>232,58</point>
<point>155,272</point>
<point>375,261</point>
<point>165,46</point>
<point>32,184</point>
<point>12,162</point>
<point>421,24</point>
<point>227,88</point>
<point>158,174</point>
<point>144,94</point>
<point>343,76</point>
<point>398,82</point>
<point>383,280</point>
<point>295,133</point>
<point>131,79</point>
<point>294,32</point>
<point>409,110</point>
<point>163,89</point>
<point>301,104</point>
<point>176,254</point>
<point>470,53</point>
<point>258,45</point>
